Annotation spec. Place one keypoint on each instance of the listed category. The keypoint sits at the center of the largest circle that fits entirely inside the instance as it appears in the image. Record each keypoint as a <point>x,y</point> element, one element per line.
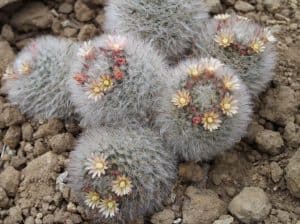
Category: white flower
<point>257,46</point>
<point>229,105</point>
<point>95,90</point>
<point>268,35</point>
<point>231,82</point>
<point>116,42</point>
<point>9,73</point>
<point>211,121</point>
<point>122,186</point>
<point>87,51</point>
<point>210,65</point>
<point>92,199</point>
<point>25,68</point>
<point>222,16</point>
<point>224,38</point>
<point>109,207</point>
<point>96,165</point>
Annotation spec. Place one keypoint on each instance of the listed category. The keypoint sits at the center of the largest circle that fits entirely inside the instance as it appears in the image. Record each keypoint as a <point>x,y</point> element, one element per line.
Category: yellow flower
<point>229,105</point>
<point>194,71</point>
<point>211,121</point>
<point>122,186</point>
<point>95,91</point>
<point>25,69</point>
<point>181,99</point>
<point>257,46</point>
<point>109,207</point>
<point>231,82</point>
<point>92,199</point>
<point>224,39</point>
<point>96,165</point>
<point>106,83</point>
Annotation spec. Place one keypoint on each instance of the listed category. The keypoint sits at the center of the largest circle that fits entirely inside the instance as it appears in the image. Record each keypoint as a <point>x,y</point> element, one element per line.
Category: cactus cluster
<point>243,44</point>
<point>116,80</point>
<point>206,109</point>
<point>140,116</point>
<point>36,81</point>
<point>170,25</point>
<point>121,174</point>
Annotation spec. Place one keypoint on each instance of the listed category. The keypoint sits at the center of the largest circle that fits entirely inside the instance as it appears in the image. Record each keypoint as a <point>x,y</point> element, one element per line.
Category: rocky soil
<point>256,182</point>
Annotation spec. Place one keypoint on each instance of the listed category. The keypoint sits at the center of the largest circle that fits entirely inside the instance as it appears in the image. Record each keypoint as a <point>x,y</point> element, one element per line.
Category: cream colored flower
<point>116,42</point>
<point>194,71</point>
<point>109,207</point>
<point>95,91</point>
<point>229,105</point>
<point>96,165</point>
<point>182,98</point>
<point>231,83</point>
<point>106,83</point>
<point>224,38</point>
<point>224,16</point>
<point>92,199</point>
<point>87,51</point>
<point>25,68</point>
<point>122,186</point>
<point>269,36</point>
<point>211,121</point>
<point>243,18</point>
<point>210,65</point>
<point>9,73</point>
<point>257,46</point>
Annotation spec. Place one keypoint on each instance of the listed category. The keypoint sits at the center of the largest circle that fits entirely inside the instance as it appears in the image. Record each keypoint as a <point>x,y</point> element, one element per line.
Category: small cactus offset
<point>36,81</point>
<point>170,25</point>
<point>242,44</point>
<point>206,109</point>
<point>116,80</point>
<point>121,174</point>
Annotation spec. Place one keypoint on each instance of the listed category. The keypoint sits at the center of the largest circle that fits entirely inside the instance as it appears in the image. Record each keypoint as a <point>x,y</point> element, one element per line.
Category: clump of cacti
<point>116,80</point>
<point>206,109</point>
<point>36,81</point>
<point>243,44</point>
<point>168,24</point>
<point>121,174</point>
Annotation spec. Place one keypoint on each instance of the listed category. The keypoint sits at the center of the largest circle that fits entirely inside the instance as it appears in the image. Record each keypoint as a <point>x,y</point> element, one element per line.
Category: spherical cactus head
<point>116,80</point>
<point>169,24</point>
<point>36,81</point>
<point>121,174</point>
<point>243,44</point>
<point>206,109</point>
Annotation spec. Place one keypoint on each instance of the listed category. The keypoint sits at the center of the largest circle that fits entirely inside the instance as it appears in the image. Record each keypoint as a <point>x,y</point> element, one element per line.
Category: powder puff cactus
<point>168,24</point>
<point>121,174</point>
<point>206,109</point>
<point>242,44</point>
<point>115,80</point>
<point>36,81</point>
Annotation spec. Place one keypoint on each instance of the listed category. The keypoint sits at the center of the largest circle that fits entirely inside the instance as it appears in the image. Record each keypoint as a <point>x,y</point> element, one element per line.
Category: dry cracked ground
<point>256,182</point>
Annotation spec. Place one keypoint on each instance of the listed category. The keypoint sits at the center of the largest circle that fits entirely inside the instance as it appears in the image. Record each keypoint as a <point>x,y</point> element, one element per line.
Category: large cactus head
<point>169,24</point>
<point>206,109</point>
<point>242,44</point>
<point>116,80</point>
<point>121,174</point>
<point>36,81</point>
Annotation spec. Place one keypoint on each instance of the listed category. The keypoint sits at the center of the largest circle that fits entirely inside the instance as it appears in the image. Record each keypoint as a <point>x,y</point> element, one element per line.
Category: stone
<point>276,172</point>
<point>269,142</point>
<point>100,18</point>
<point>292,175</point>
<point>272,5</point>
<point>3,198</point>
<point>14,216</point>
<point>10,180</point>
<point>7,33</point>
<point>52,127</point>
<point>166,216</point>
<point>6,2</point>
<point>27,132</point>
<point>82,12</point>
<point>214,6</point>
<point>65,8</point>
<point>279,105</point>
<point>292,134</point>
<point>32,16</point>
<point>62,142</point>
<point>70,32</point>
<point>86,32</point>
<point>191,171</point>
<point>243,6</point>
<point>12,137</point>
<point>39,147</point>
<point>253,129</point>
<point>224,219</point>
<point>7,55</point>
<point>48,219</point>
<point>201,206</point>
<point>251,205</point>
<point>10,116</point>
